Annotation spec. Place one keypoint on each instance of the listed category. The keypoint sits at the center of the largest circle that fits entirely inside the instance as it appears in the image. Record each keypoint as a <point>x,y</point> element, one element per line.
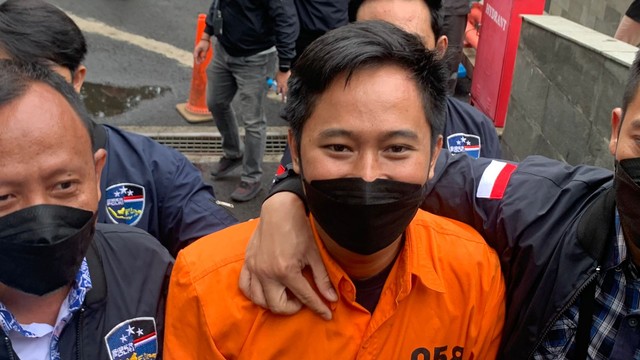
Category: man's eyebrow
<point>635,124</point>
<point>329,133</point>
<point>410,134</point>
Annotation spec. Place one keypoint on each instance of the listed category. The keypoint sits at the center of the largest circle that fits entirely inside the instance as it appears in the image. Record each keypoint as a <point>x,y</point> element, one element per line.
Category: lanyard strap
<point>585,320</point>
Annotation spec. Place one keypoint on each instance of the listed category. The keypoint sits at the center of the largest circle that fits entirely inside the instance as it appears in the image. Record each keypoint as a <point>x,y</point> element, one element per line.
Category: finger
<point>278,301</point>
<point>302,290</point>
<point>320,275</point>
<point>257,293</point>
<point>244,282</point>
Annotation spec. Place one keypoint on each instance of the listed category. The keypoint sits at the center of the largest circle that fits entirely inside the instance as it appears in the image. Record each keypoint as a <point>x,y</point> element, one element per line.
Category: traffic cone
<point>195,110</point>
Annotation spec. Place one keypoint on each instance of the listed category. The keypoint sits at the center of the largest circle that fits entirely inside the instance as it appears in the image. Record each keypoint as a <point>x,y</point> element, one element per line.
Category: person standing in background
<point>248,33</point>
<point>454,23</point>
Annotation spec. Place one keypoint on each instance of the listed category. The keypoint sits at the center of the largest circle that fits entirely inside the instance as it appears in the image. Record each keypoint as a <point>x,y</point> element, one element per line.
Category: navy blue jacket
<point>468,130</point>
<point>549,223</point>
<point>321,15</point>
<point>129,273</point>
<point>157,189</point>
<point>252,26</point>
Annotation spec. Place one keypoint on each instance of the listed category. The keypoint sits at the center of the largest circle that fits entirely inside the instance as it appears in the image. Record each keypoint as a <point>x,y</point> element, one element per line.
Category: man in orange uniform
<point>366,110</point>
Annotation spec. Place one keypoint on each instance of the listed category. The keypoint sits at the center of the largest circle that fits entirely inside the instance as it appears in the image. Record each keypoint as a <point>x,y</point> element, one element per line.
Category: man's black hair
<point>36,31</point>
<point>434,6</point>
<point>633,83</point>
<point>359,45</point>
<point>16,78</point>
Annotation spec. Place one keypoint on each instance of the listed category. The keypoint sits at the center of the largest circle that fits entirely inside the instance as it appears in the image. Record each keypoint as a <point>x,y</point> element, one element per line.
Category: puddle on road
<point>108,100</point>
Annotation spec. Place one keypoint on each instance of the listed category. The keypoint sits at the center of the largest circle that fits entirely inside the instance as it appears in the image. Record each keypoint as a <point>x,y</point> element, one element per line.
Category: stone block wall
<point>567,80</point>
<point>600,15</point>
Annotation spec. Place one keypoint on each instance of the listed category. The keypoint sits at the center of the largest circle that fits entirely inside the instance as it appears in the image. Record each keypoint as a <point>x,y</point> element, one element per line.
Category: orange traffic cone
<point>195,110</point>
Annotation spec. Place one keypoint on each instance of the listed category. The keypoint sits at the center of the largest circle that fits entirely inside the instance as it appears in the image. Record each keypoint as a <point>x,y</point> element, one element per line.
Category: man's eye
<point>338,148</point>
<point>5,197</point>
<point>398,148</point>
<point>64,185</point>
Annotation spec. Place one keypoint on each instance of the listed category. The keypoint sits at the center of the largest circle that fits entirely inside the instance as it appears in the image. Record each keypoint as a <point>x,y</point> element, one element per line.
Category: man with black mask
<point>366,110</point>
<point>68,288</point>
<point>568,238</point>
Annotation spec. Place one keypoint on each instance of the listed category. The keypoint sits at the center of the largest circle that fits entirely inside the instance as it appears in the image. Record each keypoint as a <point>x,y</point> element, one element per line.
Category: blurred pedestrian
<point>248,33</point>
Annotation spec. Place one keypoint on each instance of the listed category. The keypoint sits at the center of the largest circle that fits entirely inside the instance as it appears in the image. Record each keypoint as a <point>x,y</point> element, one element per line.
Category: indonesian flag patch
<point>495,179</point>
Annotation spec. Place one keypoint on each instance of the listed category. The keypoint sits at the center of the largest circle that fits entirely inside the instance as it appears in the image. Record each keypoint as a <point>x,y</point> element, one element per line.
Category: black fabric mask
<point>42,247</point>
<point>363,217</point>
<point>627,185</point>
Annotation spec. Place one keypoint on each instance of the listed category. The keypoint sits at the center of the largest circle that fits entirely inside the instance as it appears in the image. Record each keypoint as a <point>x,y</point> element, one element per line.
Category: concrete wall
<point>600,15</point>
<point>567,80</point>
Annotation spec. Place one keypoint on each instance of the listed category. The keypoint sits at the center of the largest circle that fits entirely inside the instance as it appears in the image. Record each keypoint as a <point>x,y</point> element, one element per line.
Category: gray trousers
<point>246,76</point>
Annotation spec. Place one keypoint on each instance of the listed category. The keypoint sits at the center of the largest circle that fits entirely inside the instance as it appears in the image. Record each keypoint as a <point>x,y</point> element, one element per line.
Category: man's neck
<point>358,266</point>
<point>27,308</point>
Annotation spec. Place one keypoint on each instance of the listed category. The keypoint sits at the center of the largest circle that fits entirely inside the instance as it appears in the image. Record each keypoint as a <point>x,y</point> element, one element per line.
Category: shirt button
<point>618,268</point>
<point>633,322</point>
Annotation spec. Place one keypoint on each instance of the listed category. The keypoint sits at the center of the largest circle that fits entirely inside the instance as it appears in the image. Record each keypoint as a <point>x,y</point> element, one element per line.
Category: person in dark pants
<point>453,26</point>
<point>249,33</point>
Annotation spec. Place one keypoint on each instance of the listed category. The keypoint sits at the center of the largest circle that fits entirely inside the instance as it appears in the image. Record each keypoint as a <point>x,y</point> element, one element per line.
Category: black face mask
<point>628,197</point>
<point>42,247</point>
<point>363,217</point>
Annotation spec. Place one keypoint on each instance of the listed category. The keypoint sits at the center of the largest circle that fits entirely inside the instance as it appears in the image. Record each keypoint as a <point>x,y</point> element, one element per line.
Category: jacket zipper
<point>9,348</point>
<point>575,296</point>
<point>79,334</point>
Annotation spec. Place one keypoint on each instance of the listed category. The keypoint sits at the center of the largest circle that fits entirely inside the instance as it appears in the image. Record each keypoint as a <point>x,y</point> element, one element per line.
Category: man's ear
<point>78,77</point>
<point>616,121</point>
<point>434,157</point>
<point>99,159</point>
<point>441,45</point>
<point>293,148</point>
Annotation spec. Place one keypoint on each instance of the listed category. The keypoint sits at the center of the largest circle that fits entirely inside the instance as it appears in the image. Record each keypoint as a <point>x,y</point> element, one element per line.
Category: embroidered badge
<point>459,143</point>
<point>125,203</point>
<point>133,339</point>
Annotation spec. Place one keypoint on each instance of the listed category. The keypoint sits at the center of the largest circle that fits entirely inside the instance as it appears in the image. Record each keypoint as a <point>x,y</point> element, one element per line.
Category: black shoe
<point>225,166</point>
<point>246,191</point>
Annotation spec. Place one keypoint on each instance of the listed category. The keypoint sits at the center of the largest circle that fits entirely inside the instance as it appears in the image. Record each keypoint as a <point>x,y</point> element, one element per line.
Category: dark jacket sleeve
<point>287,28</point>
<point>188,209</point>
<point>537,199</point>
<point>208,28</point>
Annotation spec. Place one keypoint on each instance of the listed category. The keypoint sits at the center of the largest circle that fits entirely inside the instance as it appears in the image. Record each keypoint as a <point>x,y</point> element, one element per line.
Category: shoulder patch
<point>495,179</point>
<point>133,339</point>
<point>125,203</point>
<point>461,142</point>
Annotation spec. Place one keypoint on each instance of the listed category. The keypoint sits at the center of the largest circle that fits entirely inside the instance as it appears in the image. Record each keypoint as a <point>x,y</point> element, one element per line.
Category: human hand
<point>282,78</point>
<point>200,51</point>
<point>273,263</point>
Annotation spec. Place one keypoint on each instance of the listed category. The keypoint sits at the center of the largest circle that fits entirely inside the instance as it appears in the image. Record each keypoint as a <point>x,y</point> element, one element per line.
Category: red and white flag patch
<point>495,179</point>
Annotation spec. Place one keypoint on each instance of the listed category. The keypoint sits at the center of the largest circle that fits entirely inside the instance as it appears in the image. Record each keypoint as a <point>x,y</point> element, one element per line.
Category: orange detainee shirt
<point>444,299</point>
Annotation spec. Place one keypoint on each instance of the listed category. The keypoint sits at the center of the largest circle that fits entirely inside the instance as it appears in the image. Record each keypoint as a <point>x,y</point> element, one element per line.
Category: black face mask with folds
<point>42,247</point>
<point>627,187</point>
<point>363,217</point>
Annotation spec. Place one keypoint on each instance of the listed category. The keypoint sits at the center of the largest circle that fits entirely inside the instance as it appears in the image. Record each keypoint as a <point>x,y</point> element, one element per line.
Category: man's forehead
<point>40,106</point>
<point>410,15</point>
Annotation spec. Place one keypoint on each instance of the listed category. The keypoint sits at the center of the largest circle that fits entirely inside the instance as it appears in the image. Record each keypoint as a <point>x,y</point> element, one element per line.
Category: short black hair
<point>361,45</point>
<point>434,6</point>
<point>16,78</point>
<point>633,83</point>
<point>36,31</point>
